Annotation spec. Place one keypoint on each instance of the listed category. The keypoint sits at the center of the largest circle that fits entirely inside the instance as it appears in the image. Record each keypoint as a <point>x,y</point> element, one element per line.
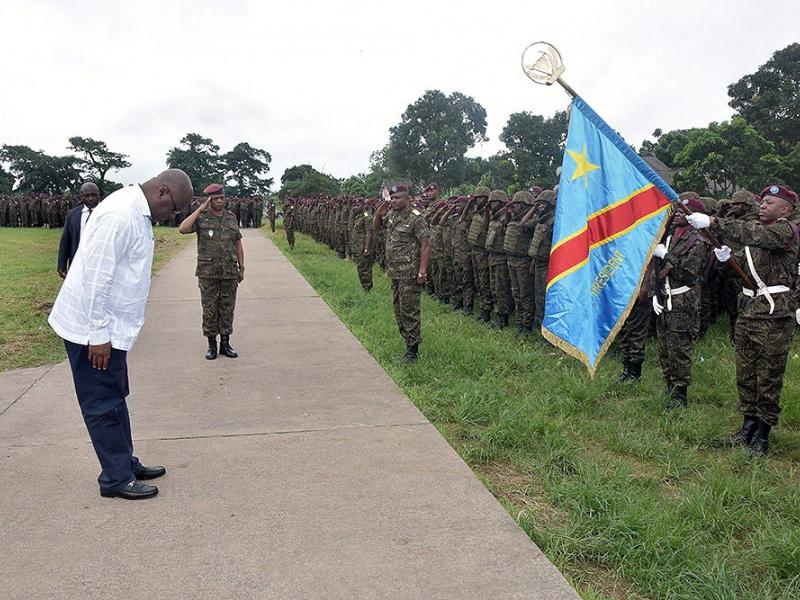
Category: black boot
<point>743,437</point>
<point>466,311</point>
<point>678,397</point>
<point>456,305</point>
<point>225,347</point>
<point>520,331</point>
<point>759,445</point>
<point>212,348</point>
<point>484,317</point>
<point>635,370</point>
<point>500,322</point>
<point>626,370</point>
<point>411,354</point>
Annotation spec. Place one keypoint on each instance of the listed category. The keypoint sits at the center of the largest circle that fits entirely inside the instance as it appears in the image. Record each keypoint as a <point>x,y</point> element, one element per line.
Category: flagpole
<point>567,87</point>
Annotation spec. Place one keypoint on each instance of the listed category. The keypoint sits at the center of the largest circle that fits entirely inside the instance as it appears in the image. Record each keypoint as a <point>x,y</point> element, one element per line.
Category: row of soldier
<point>50,211</point>
<point>490,253</point>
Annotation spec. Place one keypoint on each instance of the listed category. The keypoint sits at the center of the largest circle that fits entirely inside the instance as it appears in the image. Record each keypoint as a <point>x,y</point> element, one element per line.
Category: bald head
<point>90,194</point>
<point>168,192</point>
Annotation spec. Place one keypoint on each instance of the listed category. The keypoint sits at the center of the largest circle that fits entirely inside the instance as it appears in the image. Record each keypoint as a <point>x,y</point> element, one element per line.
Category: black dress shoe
<point>135,490</point>
<point>150,473</point>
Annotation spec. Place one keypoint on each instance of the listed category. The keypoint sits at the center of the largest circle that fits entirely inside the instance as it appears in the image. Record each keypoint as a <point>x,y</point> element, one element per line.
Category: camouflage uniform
<point>288,223</point>
<point>677,281</point>
<point>539,251</point>
<point>362,223</point>
<point>632,338</point>
<point>271,215</point>
<point>476,236</point>
<point>404,233</point>
<point>515,244</point>
<point>462,264</point>
<point>763,333</point>
<point>217,270</point>
<point>441,276</point>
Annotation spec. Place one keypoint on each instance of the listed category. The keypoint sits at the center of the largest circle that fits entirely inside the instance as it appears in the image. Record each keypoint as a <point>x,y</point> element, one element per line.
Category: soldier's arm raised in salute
<point>187,225</point>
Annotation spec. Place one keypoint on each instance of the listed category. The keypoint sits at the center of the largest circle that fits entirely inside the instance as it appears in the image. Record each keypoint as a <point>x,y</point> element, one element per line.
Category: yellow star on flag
<point>582,166</point>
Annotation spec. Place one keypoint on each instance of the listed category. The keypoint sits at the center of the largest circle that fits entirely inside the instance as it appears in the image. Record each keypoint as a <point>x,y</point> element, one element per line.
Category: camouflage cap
<point>548,197</point>
<point>524,197</point>
<point>710,205</point>
<point>481,192</point>
<point>498,196</point>
<point>744,197</point>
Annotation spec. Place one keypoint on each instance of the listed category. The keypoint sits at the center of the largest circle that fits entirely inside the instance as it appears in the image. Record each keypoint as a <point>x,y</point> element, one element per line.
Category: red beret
<point>693,204</point>
<point>399,189</point>
<point>214,189</point>
<point>779,191</point>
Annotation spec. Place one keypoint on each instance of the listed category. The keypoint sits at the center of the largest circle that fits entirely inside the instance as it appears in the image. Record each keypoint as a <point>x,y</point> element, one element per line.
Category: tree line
<point>23,170</point>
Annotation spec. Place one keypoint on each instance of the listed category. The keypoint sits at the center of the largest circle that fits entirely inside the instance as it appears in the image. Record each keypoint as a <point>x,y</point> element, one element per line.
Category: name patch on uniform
<point>415,211</point>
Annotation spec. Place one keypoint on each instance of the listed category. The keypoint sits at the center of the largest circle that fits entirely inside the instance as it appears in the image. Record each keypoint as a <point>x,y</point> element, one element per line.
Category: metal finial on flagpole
<point>542,64</point>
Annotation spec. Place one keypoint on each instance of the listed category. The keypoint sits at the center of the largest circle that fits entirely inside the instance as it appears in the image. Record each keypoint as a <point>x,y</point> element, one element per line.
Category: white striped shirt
<point>103,296</point>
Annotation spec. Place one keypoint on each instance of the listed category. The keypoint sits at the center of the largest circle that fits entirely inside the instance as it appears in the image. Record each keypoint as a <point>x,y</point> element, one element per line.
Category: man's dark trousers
<point>101,396</point>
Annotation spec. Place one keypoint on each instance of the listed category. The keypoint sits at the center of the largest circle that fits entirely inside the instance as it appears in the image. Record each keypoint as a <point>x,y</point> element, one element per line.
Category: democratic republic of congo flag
<point>610,214</point>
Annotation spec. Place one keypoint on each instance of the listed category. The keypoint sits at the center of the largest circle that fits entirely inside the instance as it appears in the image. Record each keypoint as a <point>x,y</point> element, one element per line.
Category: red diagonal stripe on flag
<point>602,228</point>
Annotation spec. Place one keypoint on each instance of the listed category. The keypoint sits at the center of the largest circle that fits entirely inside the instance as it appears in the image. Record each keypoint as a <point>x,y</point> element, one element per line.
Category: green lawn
<point>29,285</point>
<point>629,502</point>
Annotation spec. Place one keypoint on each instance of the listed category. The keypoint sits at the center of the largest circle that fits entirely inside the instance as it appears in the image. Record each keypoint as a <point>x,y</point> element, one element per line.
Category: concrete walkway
<point>299,470</point>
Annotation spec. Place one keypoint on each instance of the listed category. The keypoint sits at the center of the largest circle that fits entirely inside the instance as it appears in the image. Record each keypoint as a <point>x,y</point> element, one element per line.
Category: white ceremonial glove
<point>723,254</point>
<point>657,308</point>
<point>698,220</point>
<point>660,251</point>
<point>797,316</point>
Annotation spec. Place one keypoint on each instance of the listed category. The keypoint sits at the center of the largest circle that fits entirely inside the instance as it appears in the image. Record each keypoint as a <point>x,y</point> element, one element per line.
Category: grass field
<point>29,285</point>
<point>629,502</point>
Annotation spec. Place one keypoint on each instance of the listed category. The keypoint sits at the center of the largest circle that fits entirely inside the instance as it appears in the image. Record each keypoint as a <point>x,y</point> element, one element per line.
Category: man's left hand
<point>241,275</point>
<point>100,355</point>
<point>422,278</point>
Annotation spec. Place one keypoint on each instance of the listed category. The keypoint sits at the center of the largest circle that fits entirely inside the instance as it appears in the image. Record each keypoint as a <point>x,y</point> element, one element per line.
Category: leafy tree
<point>35,171</point>
<point>354,186</point>
<point>96,160</point>
<point>535,146</point>
<point>433,136</point>
<point>305,180</point>
<point>725,157</point>
<point>791,168</point>
<point>769,99</point>
<point>6,181</point>
<point>199,157</point>
<point>669,145</point>
<point>247,168</point>
<point>295,174</point>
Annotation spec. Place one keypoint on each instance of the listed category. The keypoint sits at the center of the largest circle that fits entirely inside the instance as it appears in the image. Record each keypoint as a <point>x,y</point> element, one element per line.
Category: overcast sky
<point>321,82</point>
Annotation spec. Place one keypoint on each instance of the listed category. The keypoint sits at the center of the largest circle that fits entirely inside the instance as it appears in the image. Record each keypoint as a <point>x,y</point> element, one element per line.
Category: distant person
<point>74,224</point>
<point>288,221</point>
<point>99,313</point>
<point>220,267</point>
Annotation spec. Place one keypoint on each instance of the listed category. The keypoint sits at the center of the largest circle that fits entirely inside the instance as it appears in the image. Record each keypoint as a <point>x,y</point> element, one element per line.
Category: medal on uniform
<point>210,233</point>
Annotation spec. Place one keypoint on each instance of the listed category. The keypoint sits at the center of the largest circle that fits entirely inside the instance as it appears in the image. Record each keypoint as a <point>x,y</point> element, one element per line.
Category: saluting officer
<point>407,253</point>
<point>220,267</point>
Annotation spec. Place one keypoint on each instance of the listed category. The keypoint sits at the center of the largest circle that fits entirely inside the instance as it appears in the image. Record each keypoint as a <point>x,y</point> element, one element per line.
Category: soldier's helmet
<point>547,197</point>
<point>498,196</point>
<point>481,192</point>
<point>524,197</point>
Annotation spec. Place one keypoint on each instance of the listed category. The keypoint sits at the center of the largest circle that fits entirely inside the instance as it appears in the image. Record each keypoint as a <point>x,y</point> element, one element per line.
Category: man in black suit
<point>76,219</point>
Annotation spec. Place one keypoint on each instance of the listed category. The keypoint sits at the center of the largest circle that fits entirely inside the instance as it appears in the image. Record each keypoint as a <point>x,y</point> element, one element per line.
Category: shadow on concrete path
<point>288,476</point>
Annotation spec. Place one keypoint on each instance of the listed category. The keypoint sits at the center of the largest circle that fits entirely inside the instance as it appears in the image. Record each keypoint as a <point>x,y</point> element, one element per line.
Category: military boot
<point>484,317</point>
<point>635,370</point>
<point>759,445</point>
<point>626,370</point>
<point>466,311</point>
<point>521,331</point>
<point>678,397</point>
<point>500,322</point>
<point>743,437</point>
<point>456,305</point>
<point>212,348</point>
<point>411,355</point>
<point>225,347</point>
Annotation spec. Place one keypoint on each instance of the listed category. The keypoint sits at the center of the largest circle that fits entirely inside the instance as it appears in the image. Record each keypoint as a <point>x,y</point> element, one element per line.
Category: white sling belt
<point>670,291</point>
<point>763,289</point>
